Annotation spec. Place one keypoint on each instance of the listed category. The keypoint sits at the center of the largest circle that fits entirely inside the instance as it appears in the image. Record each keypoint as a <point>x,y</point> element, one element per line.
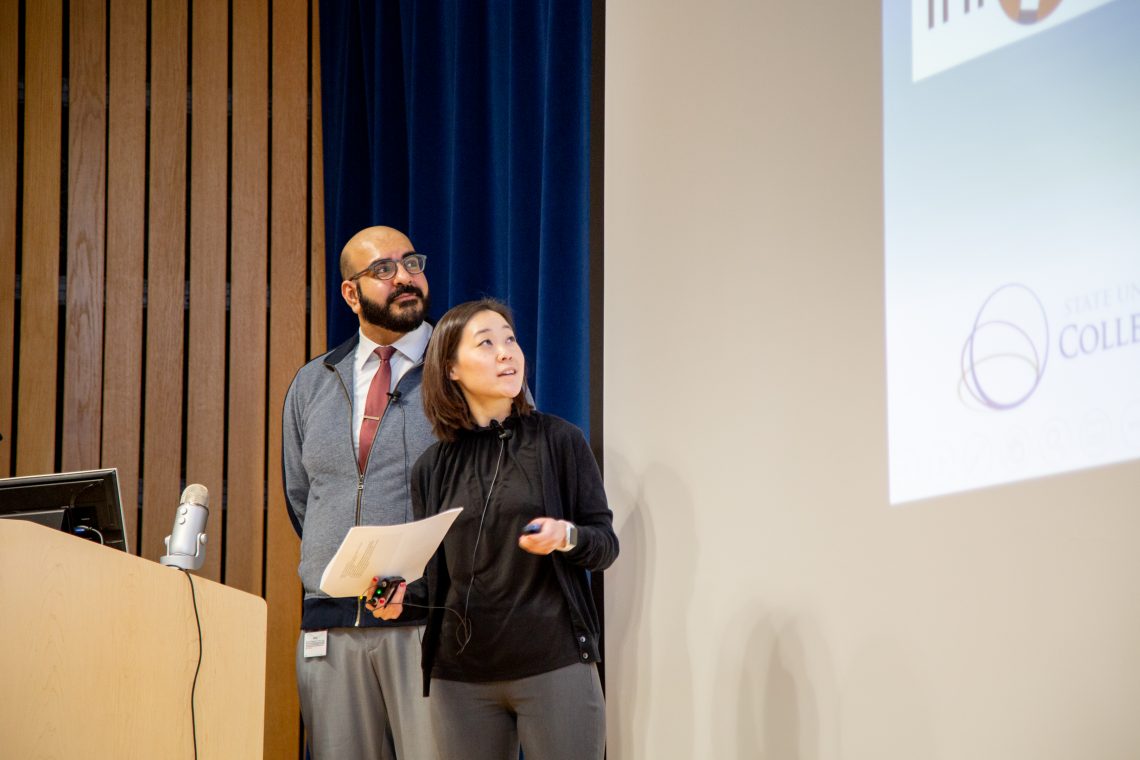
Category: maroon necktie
<point>377,402</point>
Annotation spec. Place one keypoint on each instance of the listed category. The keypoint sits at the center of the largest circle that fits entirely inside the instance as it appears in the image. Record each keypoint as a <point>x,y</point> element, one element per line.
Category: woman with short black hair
<point>511,646</point>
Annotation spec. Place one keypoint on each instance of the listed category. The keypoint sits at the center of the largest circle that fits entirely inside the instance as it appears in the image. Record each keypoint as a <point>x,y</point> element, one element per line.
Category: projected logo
<point>947,33</point>
<point>1029,11</point>
<point>1021,11</point>
<point>1004,357</point>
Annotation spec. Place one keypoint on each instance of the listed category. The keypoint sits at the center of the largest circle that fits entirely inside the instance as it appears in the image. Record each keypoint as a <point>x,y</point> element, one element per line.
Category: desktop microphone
<point>184,545</point>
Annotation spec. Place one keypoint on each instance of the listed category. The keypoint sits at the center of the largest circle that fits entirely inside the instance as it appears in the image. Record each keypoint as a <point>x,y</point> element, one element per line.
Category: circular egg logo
<point>1005,353</point>
<point>1028,12</point>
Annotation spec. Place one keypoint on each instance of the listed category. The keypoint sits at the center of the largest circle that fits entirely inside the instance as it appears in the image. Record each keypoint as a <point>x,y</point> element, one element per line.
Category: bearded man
<point>353,427</point>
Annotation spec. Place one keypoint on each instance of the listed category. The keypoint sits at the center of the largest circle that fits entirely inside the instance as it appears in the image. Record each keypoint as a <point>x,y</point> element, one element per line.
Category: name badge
<point>316,643</point>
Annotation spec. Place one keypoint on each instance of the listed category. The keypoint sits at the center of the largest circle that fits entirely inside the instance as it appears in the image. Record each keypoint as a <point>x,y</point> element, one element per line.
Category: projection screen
<point>1012,237</point>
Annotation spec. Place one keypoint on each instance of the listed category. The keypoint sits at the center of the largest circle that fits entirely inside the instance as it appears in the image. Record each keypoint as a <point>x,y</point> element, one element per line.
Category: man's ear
<point>348,292</point>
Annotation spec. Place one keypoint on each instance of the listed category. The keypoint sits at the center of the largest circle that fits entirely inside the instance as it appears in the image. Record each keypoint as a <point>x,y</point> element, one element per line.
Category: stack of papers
<point>382,551</point>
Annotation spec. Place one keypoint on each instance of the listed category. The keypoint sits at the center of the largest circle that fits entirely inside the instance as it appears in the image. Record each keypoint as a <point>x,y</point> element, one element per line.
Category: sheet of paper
<point>378,551</point>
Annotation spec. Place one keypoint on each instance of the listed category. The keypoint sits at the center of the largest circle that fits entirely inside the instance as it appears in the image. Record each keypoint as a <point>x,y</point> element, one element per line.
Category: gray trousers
<point>560,715</point>
<point>364,698</point>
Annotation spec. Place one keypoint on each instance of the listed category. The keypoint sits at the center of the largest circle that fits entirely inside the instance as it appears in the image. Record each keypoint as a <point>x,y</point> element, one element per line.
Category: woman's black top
<point>519,622</point>
<point>527,614</point>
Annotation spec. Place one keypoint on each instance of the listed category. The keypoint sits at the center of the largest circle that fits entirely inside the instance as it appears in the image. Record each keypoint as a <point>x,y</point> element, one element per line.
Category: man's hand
<point>394,607</point>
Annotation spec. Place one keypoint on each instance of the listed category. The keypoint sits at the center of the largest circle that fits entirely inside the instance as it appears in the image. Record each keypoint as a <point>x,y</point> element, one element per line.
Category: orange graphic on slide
<point>1024,12</point>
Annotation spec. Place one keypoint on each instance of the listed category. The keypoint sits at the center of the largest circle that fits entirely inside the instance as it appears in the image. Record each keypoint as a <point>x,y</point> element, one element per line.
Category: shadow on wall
<point>775,692</point>
<point>650,601</point>
<point>776,696</point>
<point>887,706</point>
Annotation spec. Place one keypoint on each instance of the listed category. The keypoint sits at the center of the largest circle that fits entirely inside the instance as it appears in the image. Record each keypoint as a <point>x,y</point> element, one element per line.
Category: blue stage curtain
<point>465,123</point>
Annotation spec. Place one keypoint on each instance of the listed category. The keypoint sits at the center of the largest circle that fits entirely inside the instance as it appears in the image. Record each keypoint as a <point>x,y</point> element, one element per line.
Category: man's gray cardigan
<point>324,489</point>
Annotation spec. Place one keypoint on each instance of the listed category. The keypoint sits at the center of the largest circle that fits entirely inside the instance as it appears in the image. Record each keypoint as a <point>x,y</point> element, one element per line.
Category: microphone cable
<point>80,530</point>
<point>198,667</point>
<point>466,625</point>
<point>464,631</point>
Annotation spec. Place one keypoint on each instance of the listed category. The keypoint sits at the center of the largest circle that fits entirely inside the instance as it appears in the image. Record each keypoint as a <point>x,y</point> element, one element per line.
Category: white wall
<point>768,601</point>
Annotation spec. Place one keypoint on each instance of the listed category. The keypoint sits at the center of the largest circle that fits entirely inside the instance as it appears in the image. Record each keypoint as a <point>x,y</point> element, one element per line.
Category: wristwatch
<point>571,537</point>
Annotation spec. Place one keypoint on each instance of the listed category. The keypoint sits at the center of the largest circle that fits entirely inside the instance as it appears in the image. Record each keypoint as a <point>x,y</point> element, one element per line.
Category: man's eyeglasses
<point>385,269</point>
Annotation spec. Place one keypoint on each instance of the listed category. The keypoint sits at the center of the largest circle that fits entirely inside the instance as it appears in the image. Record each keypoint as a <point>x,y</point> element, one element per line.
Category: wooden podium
<point>98,650</point>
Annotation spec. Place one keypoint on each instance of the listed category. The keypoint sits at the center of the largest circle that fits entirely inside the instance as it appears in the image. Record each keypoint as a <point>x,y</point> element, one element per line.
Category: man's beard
<point>391,316</point>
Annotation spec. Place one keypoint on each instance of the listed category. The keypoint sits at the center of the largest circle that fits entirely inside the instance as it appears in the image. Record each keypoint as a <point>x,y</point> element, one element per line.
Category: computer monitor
<point>84,503</point>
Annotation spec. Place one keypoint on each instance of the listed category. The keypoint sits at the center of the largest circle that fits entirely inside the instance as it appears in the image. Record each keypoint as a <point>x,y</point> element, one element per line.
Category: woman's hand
<point>390,611</point>
<point>551,535</point>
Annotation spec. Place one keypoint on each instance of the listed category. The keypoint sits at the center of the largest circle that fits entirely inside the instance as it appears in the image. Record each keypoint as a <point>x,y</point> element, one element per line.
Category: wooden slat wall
<point>318,335</point>
<point>287,327</point>
<point>86,162</point>
<point>39,305</point>
<point>165,273</point>
<point>192,207</point>
<point>249,241</point>
<point>126,249</point>
<point>9,130</point>
<point>206,376</point>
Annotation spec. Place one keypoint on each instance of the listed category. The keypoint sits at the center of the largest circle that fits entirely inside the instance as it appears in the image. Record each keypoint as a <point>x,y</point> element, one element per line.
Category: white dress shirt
<point>409,351</point>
